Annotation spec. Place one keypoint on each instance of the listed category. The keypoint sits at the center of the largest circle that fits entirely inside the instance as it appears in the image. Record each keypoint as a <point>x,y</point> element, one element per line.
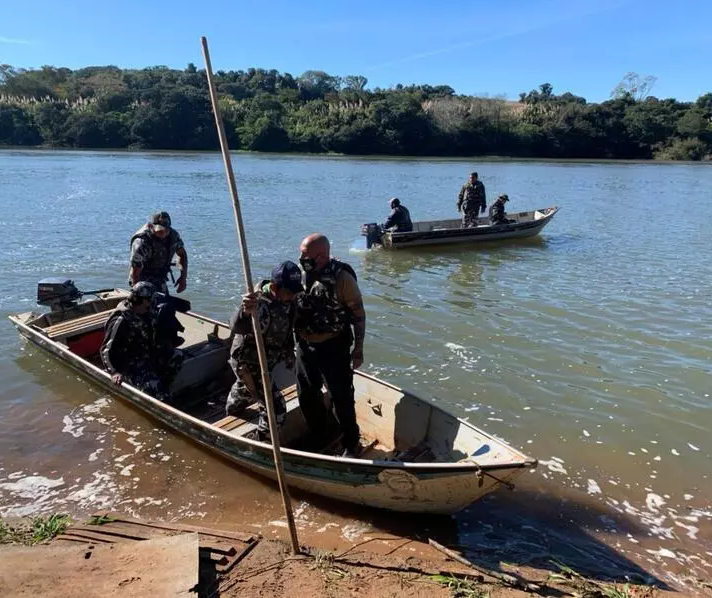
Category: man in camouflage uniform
<point>497,215</point>
<point>273,303</point>
<point>330,318</point>
<point>127,351</point>
<point>471,201</point>
<point>152,249</point>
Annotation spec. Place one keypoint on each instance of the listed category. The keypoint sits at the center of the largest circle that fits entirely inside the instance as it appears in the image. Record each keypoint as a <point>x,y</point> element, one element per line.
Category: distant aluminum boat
<point>440,232</point>
<point>417,458</point>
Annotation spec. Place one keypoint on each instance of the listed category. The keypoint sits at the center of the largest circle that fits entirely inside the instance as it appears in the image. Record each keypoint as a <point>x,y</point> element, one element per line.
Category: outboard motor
<point>373,233</point>
<point>57,293</point>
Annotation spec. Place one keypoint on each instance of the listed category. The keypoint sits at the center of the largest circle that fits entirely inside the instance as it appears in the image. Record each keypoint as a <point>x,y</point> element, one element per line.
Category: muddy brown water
<point>587,347</point>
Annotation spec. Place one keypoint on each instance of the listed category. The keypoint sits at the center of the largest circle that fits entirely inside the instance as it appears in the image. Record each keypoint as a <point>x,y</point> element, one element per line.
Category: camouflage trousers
<point>469,219</point>
<point>169,361</point>
<point>247,389</point>
<point>146,380</point>
<point>156,381</point>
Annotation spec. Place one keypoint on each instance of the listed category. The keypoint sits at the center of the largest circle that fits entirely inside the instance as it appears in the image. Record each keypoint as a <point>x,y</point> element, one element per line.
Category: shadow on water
<point>525,528</point>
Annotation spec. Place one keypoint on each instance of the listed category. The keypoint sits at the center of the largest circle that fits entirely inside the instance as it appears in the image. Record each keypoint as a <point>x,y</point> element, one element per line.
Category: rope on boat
<point>481,473</point>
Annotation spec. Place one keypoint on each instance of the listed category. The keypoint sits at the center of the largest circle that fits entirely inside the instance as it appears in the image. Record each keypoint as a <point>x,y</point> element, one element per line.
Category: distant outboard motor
<point>57,293</point>
<point>373,233</point>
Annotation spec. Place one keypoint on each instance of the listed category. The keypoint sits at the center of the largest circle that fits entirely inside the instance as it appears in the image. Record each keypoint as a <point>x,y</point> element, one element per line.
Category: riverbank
<point>255,566</point>
<point>471,160</point>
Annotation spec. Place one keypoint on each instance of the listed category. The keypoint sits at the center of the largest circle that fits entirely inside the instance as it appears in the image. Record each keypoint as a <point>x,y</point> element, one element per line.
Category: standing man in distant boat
<point>330,317</point>
<point>152,249</point>
<point>471,201</point>
<point>273,303</point>
<point>398,220</point>
<point>497,215</point>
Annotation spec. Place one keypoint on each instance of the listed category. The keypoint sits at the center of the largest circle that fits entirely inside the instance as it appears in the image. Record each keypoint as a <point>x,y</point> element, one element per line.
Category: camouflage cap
<point>160,220</point>
<point>143,289</point>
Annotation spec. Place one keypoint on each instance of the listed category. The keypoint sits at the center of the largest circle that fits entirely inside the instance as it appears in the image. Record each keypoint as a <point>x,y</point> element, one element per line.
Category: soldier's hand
<point>117,379</point>
<point>249,303</point>
<point>181,283</point>
<point>356,358</point>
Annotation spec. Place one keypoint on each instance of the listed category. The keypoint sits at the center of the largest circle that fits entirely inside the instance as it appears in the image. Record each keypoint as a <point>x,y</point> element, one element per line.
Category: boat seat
<point>78,326</point>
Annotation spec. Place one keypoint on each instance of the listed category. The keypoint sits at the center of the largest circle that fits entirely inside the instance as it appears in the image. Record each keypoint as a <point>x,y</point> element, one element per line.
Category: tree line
<point>269,111</point>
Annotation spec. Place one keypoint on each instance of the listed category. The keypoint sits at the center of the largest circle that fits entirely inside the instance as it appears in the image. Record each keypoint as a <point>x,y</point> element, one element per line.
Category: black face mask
<point>308,264</point>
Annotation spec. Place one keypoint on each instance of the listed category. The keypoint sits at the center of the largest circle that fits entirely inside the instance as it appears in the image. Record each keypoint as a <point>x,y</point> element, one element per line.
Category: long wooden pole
<point>266,381</point>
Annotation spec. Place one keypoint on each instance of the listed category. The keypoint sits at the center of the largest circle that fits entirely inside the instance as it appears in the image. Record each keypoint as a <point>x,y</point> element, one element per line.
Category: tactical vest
<point>276,321</point>
<point>319,309</point>
<point>472,197</point>
<point>161,253</point>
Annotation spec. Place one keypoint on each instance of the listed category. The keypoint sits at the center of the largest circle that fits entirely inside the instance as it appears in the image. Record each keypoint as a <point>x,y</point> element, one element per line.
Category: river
<point>588,347</point>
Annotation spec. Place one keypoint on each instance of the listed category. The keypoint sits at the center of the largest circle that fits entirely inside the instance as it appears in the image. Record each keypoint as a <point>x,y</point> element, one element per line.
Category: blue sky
<point>484,47</point>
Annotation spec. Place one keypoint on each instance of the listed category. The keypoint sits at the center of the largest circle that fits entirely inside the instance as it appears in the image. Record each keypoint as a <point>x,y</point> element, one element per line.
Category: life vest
<point>160,254</point>
<point>319,309</point>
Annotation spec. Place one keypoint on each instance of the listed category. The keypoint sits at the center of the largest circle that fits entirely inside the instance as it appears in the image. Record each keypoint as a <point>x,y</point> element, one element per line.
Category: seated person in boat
<point>471,200</point>
<point>152,249</point>
<point>399,219</point>
<point>497,215</point>
<point>273,303</point>
<point>127,350</point>
<point>330,319</point>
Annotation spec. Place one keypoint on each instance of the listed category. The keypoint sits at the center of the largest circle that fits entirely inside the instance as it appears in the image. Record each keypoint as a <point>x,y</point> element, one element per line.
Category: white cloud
<point>15,40</point>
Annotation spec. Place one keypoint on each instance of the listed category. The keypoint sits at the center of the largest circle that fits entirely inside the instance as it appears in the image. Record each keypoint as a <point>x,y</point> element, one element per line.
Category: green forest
<point>265,110</point>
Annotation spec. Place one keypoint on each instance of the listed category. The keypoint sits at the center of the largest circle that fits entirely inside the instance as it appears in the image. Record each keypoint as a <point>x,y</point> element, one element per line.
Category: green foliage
<point>100,520</point>
<point>460,587</point>
<point>39,529</point>
<point>265,110</point>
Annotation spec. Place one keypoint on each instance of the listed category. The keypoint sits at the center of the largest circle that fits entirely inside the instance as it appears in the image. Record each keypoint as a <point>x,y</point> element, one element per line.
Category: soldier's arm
<point>113,337</point>
<point>240,322</point>
<point>137,259</point>
<point>182,256</point>
<point>350,296</point>
<point>460,197</point>
<point>182,262</point>
<point>484,198</point>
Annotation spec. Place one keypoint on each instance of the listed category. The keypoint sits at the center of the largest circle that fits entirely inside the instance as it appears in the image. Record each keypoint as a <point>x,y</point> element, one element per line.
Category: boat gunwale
<point>548,212</point>
<point>104,378</point>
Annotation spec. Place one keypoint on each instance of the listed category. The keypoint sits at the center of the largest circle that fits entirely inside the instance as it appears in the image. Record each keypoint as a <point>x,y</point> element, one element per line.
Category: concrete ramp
<point>163,566</point>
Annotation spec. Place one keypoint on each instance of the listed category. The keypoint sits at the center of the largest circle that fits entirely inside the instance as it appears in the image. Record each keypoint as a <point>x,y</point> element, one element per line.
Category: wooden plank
<point>87,536</point>
<point>180,527</point>
<point>77,325</point>
<point>113,531</point>
<point>88,319</point>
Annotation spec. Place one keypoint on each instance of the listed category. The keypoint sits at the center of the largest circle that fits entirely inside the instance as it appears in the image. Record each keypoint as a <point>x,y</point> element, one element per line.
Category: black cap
<point>504,197</point>
<point>288,276</point>
<point>160,220</point>
<point>394,201</point>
